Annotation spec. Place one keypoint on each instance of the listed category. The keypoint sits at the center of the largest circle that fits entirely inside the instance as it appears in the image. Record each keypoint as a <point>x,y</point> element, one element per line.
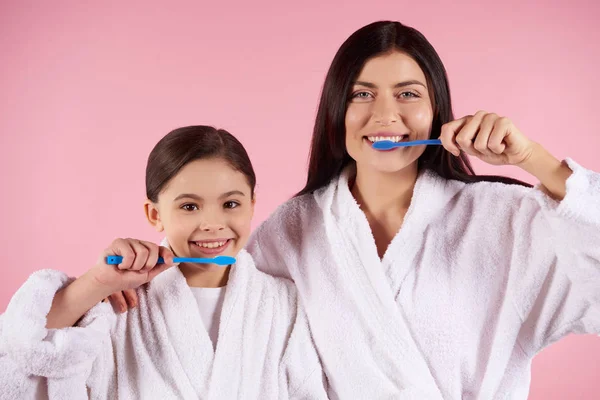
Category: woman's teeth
<point>394,139</point>
<point>210,245</point>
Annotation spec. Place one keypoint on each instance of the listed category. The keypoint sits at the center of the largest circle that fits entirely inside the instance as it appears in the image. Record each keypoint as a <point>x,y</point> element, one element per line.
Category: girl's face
<point>205,210</point>
<point>389,100</point>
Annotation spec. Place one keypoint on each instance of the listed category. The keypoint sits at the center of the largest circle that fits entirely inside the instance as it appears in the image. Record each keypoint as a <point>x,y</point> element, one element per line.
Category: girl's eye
<point>231,204</point>
<point>189,207</point>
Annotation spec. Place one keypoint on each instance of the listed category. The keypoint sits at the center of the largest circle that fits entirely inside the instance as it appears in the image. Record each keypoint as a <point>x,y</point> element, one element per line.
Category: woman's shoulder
<point>286,221</point>
<point>263,281</point>
<point>502,188</point>
<point>279,289</point>
<point>292,209</point>
<point>499,198</point>
<point>442,199</point>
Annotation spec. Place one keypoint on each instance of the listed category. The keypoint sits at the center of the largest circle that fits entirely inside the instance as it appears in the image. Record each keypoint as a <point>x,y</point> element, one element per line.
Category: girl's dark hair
<point>184,145</point>
<point>328,155</point>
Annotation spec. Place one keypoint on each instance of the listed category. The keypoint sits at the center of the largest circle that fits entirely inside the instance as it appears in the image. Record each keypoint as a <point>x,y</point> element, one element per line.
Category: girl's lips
<point>211,250</point>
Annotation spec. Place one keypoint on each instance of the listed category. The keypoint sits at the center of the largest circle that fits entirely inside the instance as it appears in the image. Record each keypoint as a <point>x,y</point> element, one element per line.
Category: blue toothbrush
<point>219,260</point>
<point>388,144</point>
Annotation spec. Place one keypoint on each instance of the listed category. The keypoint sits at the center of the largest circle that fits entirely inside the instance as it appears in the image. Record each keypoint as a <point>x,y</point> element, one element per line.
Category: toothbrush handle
<point>220,260</point>
<point>427,141</point>
<point>116,260</point>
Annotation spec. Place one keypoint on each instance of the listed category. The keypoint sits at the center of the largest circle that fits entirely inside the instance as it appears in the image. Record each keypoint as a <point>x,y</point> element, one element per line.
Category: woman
<point>406,257</point>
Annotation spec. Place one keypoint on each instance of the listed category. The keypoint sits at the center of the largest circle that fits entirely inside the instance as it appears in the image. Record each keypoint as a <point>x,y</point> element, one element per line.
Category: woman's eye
<point>361,95</point>
<point>408,95</point>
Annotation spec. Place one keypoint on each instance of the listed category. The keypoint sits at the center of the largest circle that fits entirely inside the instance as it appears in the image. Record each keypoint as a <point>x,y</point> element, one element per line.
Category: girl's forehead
<point>208,178</point>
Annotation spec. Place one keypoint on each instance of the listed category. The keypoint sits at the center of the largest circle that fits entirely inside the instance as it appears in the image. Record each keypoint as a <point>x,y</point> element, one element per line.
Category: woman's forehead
<point>391,67</point>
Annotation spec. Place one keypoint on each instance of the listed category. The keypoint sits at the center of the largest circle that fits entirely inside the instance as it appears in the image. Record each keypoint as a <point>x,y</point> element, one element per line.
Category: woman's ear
<point>153,215</point>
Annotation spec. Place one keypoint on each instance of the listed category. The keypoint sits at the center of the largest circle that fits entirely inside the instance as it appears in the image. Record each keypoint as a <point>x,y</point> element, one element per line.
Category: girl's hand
<point>139,266</point>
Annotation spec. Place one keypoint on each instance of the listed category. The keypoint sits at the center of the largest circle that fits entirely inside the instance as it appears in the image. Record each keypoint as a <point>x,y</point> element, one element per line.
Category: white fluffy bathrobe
<point>160,349</point>
<point>479,279</point>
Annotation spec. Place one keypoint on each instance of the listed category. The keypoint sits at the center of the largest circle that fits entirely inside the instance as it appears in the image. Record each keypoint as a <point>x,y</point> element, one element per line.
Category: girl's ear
<point>253,202</point>
<point>153,215</point>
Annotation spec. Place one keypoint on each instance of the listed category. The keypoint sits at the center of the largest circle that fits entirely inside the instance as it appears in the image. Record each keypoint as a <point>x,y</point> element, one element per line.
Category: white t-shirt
<point>210,304</point>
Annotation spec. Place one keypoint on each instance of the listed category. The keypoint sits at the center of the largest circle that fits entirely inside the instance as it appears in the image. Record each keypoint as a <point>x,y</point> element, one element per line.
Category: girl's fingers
<point>131,297</point>
<point>153,254</point>
<point>141,254</point>
<point>118,302</point>
<point>121,247</point>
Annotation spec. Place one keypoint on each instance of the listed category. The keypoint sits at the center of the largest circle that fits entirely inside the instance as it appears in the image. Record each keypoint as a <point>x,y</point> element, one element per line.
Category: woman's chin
<point>388,166</point>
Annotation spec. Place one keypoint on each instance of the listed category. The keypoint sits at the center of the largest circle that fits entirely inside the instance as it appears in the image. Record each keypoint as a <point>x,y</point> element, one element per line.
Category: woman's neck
<point>379,193</point>
<point>385,199</point>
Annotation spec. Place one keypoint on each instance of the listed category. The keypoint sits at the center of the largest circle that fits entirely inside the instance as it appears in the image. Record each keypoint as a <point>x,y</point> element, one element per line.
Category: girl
<point>201,331</point>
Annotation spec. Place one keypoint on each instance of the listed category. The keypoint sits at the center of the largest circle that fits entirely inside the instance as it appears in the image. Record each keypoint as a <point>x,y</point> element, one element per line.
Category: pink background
<point>87,90</point>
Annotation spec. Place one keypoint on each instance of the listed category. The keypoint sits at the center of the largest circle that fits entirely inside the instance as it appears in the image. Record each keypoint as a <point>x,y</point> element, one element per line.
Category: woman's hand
<point>497,141</point>
<point>489,137</point>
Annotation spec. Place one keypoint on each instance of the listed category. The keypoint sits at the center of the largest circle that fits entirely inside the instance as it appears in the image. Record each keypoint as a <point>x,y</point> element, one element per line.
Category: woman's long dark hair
<point>328,155</point>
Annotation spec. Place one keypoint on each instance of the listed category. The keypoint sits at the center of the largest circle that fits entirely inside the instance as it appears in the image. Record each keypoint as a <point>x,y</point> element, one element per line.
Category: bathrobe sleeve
<point>263,257</point>
<point>301,373</point>
<point>36,362</point>
<point>557,286</point>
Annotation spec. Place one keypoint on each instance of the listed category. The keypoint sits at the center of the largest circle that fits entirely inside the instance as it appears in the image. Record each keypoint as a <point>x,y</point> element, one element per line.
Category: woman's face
<point>388,101</point>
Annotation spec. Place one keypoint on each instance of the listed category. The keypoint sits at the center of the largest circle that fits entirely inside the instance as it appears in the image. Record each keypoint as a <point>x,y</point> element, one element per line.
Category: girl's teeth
<point>211,245</point>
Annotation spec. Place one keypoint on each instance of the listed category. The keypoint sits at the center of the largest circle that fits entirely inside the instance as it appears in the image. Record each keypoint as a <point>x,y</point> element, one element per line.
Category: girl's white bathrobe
<point>160,349</point>
<point>479,279</point>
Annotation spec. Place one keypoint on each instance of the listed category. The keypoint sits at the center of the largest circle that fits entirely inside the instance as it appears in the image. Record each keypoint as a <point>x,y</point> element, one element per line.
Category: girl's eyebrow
<point>199,198</point>
<point>231,193</point>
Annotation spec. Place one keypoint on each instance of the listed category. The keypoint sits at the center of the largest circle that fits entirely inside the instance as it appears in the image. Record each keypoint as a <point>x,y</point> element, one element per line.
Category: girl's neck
<point>205,276</point>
